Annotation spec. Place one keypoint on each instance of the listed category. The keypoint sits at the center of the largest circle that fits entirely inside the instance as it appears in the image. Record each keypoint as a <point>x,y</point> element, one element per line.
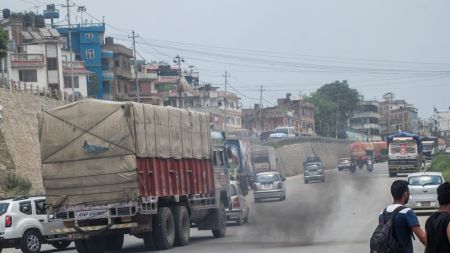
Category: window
<point>214,158</point>
<point>68,82</point>
<point>90,54</point>
<point>117,63</point>
<point>28,75</point>
<point>25,207</point>
<point>89,36</point>
<point>52,64</point>
<point>3,208</point>
<point>40,207</point>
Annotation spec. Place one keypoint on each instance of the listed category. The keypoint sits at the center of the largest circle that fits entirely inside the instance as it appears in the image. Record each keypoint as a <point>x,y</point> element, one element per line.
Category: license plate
<point>77,236</point>
<point>425,203</point>
<point>267,186</point>
<point>90,214</point>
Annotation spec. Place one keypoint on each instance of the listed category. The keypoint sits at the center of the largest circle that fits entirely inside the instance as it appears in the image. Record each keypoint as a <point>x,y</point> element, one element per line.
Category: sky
<point>289,46</point>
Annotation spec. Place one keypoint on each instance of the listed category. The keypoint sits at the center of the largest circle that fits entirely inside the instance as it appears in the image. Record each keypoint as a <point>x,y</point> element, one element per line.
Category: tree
<point>334,103</point>
<point>3,43</point>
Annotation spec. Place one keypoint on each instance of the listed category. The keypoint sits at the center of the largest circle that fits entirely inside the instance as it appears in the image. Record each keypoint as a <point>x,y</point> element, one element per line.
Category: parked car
<point>314,172</point>
<point>447,150</point>
<point>239,208</point>
<point>263,136</point>
<point>24,224</point>
<point>423,189</point>
<point>344,164</point>
<point>269,185</point>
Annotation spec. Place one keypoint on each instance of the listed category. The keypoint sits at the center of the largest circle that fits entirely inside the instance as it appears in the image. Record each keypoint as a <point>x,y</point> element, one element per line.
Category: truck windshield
<point>3,208</point>
<point>403,147</point>
<point>427,146</point>
<point>282,130</point>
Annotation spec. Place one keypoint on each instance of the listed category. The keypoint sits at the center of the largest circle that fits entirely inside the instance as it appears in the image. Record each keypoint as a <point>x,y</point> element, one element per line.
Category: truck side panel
<point>169,177</point>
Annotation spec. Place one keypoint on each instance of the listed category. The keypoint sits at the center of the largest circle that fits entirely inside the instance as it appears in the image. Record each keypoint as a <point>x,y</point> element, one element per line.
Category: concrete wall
<point>290,158</point>
<point>18,128</point>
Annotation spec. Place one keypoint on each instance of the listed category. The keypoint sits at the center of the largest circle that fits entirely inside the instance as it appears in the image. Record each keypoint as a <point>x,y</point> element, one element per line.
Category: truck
<point>360,151</point>
<point>263,158</point>
<point>240,162</point>
<point>430,147</point>
<point>116,168</point>
<point>380,151</point>
<point>405,153</point>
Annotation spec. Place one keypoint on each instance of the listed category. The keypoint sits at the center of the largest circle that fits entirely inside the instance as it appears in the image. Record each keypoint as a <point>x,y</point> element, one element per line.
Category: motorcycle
<point>369,165</point>
<point>352,167</point>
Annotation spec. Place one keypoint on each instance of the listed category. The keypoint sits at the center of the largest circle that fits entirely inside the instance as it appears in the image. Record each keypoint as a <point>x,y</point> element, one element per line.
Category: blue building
<point>87,41</point>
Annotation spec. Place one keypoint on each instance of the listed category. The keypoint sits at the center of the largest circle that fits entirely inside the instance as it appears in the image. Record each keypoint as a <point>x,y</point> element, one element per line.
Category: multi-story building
<point>87,42</point>
<point>79,72</point>
<point>441,123</point>
<point>295,113</point>
<point>397,115</point>
<point>365,119</point>
<point>121,67</point>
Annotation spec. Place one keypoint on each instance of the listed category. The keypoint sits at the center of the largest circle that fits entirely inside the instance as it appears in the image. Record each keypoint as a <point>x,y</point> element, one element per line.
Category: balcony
<point>27,60</point>
<point>107,76</point>
<point>107,54</point>
<point>374,115</point>
<point>143,75</point>
<point>78,67</point>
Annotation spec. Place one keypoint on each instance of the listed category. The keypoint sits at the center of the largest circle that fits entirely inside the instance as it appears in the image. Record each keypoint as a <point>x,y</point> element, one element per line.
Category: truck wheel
<point>164,229</point>
<point>149,241</point>
<point>81,247</point>
<point>96,245</point>
<point>115,242</point>
<point>221,219</point>
<point>31,242</point>
<point>182,226</point>
<point>61,245</point>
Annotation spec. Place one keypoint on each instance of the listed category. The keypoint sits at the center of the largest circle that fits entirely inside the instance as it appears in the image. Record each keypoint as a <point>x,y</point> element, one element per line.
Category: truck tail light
<point>236,202</point>
<point>8,221</point>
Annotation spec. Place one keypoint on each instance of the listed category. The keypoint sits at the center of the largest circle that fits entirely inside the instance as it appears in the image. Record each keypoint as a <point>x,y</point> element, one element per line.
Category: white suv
<point>24,224</point>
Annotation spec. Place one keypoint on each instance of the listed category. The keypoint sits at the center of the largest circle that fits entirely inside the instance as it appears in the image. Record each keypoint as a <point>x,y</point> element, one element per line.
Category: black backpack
<point>383,240</point>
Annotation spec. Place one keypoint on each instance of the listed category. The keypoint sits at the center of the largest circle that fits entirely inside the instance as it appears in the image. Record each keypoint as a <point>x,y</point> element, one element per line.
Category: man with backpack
<point>397,224</point>
<point>438,224</point>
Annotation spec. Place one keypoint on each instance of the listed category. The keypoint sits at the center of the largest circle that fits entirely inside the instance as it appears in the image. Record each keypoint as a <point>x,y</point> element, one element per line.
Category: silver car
<point>269,185</point>
<point>314,172</point>
<point>239,208</point>
<point>423,189</point>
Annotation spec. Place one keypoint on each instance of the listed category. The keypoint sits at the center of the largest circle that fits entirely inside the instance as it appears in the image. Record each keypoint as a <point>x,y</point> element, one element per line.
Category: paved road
<point>336,216</point>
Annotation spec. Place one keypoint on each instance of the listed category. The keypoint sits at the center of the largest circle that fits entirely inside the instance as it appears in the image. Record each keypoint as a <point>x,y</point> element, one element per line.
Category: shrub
<point>441,164</point>
<point>16,185</point>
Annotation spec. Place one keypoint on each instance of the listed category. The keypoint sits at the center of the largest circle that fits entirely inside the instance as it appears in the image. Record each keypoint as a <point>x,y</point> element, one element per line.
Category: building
<point>365,119</point>
<point>80,75</point>
<point>87,42</point>
<point>441,123</point>
<point>296,113</point>
<point>121,68</point>
<point>397,115</point>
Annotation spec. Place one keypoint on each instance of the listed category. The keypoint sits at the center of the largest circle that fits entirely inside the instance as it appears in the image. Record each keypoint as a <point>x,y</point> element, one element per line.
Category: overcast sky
<point>400,46</point>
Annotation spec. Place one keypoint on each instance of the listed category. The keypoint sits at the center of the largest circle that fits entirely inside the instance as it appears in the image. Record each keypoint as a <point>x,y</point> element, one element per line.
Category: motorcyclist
<point>369,164</point>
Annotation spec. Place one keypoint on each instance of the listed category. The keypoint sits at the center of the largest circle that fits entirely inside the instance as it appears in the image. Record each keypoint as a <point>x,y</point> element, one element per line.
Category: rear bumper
<point>314,177</point>
<point>234,214</point>
<point>268,194</point>
<point>344,167</point>
<point>9,243</point>
<point>422,203</point>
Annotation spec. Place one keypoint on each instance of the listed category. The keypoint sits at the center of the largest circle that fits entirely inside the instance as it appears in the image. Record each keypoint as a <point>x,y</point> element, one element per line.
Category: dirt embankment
<point>19,144</point>
<point>290,158</point>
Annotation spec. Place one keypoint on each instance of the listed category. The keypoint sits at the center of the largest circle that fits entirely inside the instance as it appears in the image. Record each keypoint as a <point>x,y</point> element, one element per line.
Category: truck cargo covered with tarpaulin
<point>90,149</point>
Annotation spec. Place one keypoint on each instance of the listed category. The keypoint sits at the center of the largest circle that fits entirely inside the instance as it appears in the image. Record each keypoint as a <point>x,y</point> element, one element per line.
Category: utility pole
<point>134,36</point>
<point>69,44</point>
<point>337,118</point>
<point>259,109</point>
<point>178,60</point>
<point>225,101</point>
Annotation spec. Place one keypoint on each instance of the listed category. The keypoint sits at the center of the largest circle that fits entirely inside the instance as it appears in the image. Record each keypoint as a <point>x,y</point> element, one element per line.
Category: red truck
<point>116,168</point>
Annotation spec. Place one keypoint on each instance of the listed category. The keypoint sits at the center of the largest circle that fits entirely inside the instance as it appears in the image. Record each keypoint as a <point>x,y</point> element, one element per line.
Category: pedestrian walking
<point>437,226</point>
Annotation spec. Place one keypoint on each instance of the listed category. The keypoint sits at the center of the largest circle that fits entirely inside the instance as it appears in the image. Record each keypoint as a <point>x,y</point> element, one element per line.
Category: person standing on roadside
<point>438,224</point>
<point>405,221</point>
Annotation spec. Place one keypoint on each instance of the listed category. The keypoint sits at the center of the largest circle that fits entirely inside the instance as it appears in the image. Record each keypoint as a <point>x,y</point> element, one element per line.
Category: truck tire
<point>96,245</point>
<point>31,241</point>
<point>221,219</point>
<point>81,247</point>
<point>164,229</point>
<point>149,241</point>
<point>182,226</point>
<point>115,242</point>
<point>61,245</point>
